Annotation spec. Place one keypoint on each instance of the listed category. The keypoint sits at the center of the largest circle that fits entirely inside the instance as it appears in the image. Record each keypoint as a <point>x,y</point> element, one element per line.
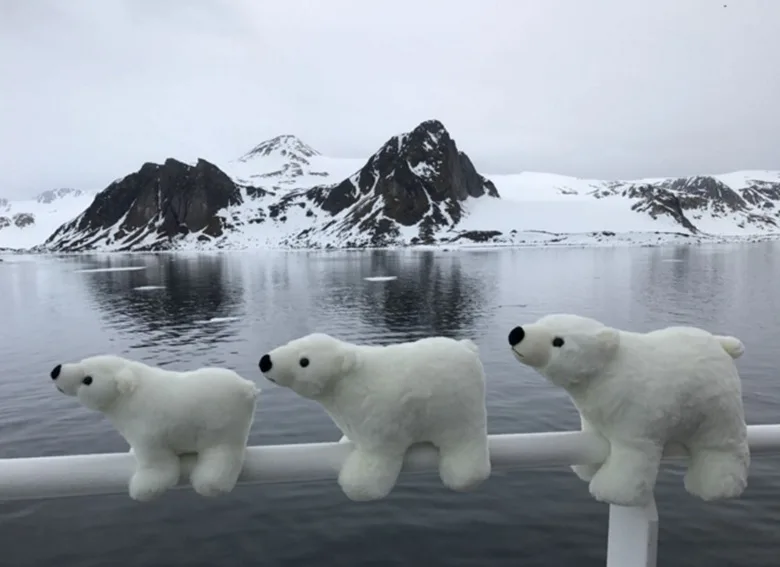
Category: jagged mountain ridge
<point>285,146</point>
<point>415,184</point>
<point>419,188</point>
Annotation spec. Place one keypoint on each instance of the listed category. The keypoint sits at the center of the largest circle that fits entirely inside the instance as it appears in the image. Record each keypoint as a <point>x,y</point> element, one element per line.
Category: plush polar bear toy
<point>386,398</point>
<point>641,391</point>
<point>163,414</point>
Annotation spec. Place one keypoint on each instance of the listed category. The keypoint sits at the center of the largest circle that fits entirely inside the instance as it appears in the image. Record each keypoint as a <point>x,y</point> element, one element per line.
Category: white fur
<point>641,391</point>
<point>387,398</point>
<point>163,414</point>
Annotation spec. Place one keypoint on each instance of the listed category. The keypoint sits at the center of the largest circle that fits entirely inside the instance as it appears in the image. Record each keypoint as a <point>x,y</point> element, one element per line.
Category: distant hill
<point>418,188</point>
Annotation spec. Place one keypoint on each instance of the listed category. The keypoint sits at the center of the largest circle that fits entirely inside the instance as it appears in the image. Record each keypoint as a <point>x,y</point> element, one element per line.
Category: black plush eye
<point>87,380</point>
<point>304,362</point>
<point>557,342</point>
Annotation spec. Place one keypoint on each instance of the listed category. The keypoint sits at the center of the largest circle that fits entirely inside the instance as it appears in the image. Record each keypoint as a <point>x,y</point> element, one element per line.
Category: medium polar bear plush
<point>163,414</point>
<point>387,398</point>
<point>641,391</point>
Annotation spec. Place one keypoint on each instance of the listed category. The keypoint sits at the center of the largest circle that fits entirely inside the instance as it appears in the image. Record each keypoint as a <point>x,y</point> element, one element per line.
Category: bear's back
<point>189,388</point>
<point>424,365</point>
<point>682,358</point>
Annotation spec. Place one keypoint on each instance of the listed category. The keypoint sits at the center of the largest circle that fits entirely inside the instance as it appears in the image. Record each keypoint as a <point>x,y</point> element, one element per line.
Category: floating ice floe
<point>219,320</point>
<point>117,269</point>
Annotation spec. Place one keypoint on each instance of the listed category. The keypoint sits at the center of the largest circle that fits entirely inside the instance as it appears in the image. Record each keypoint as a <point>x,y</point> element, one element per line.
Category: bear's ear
<point>126,381</point>
<point>609,341</point>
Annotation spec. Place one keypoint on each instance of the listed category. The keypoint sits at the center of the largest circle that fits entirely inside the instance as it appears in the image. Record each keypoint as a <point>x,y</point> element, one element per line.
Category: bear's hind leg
<point>157,470</point>
<point>627,477</point>
<point>717,474</point>
<point>370,475</point>
<point>217,469</point>
<point>464,466</point>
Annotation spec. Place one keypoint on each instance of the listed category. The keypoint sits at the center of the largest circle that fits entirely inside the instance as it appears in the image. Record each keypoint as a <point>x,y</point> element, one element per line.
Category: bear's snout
<point>55,373</point>
<point>265,363</point>
<point>516,335</point>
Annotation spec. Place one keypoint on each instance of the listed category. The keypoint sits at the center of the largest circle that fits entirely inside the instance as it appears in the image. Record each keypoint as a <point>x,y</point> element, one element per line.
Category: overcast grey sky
<point>599,88</point>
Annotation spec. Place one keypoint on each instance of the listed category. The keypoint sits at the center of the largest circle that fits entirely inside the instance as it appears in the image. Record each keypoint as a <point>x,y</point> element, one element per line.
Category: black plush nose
<point>265,363</point>
<point>516,335</point>
<point>56,372</point>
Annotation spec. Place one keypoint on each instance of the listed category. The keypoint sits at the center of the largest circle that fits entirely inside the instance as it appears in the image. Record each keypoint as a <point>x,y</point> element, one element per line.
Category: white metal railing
<point>633,532</point>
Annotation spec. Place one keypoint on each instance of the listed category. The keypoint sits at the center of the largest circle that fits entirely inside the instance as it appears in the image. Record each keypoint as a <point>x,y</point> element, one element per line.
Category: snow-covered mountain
<point>287,162</point>
<point>26,223</point>
<point>418,188</point>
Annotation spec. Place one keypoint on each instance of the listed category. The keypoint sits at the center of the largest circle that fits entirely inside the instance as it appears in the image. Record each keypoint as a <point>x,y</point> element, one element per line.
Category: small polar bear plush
<point>641,391</point>
<point>386,398</point>
<point>164,414</point>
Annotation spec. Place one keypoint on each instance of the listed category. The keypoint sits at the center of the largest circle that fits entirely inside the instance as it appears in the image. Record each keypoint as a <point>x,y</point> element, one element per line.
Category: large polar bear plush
<point>640,391</point>
<point>164,414</point>
<point>387,398</point>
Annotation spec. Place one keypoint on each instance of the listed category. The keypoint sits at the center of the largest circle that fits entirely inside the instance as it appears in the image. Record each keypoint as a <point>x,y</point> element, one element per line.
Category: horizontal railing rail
<point>109,473</point>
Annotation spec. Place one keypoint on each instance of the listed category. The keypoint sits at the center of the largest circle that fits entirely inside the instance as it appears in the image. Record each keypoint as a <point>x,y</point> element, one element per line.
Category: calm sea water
<point>50,313</point>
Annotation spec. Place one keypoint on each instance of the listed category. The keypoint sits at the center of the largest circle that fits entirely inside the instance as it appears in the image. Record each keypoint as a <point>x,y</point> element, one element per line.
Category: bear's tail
<point>732,345</point>
<point>471,345</point>
<point>252,390</point>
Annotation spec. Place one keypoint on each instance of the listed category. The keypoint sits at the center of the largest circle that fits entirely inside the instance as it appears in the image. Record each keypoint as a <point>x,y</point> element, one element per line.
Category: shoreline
<point>525,240</point>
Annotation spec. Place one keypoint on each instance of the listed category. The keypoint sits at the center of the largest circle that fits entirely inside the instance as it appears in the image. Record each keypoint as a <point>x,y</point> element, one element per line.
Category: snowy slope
<point>418,188</point>
<point>25,223</point>
<point>561,204</point>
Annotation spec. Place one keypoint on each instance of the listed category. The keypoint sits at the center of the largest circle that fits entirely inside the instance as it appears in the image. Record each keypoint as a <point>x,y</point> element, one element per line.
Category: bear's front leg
<point>370,474</point>
<point>157,470</point>
<point>627,477</point>
<point>217,469</point>
<point>587,472</point>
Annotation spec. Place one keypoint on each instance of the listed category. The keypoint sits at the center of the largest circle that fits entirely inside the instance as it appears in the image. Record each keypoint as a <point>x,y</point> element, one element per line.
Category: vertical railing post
<point>633,536</point>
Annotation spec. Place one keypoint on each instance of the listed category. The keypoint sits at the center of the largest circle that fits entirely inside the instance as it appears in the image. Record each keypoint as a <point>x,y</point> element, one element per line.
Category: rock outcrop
<point>20,220</point>
<point>23,219</point>
<point>52,195</point>
<point>149,209</point>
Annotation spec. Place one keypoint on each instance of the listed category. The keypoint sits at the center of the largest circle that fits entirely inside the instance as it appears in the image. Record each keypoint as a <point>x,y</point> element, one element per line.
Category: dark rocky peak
<point>53,194</point>
<point>286,146</point>
<point>697,191</point>
<point>167,200</point>
<point>4,204</point>
<point>764,194</point>
<point>415,174</point>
